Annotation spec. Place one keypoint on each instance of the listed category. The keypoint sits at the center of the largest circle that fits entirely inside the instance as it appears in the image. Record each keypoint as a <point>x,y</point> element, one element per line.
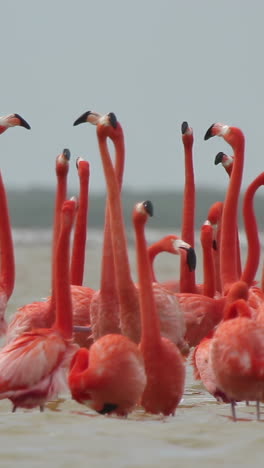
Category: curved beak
<point>209,133</point>
<point>219,158</point>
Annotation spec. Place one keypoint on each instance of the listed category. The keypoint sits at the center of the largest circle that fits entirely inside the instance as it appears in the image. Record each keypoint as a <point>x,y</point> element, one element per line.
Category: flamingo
<point>206,237</point>
<point>12,120</point>
<point>110,376</point>
<point>176,246</point>
<point>187,277</point>
<point>7,272</point>
<point>214,216</point>
<point>227,163</point>
<point>163,361</point>
<point>237,356</point>
<point>172,320</point>
<point>200,357</point>
<point>32,367</point>
<point>104,310</point>
<point>80,232</point>
<point>41,314</point>
<point>228,248</point>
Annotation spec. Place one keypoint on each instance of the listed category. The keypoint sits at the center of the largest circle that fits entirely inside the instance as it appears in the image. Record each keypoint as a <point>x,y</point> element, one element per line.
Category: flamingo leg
<point>258,410</point>
<point>14,409</point>
<point>233,409</point>
<point>41,408</point>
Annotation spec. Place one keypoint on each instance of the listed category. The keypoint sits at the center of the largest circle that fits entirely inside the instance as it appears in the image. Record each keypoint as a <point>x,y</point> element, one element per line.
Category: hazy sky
<point>153,63</point>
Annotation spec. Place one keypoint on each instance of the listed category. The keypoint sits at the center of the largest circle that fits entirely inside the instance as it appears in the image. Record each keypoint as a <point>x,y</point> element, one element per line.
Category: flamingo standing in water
<point>187,277</point>
<point>228,248</point>
<point>110,376</point>
<point>41,314</point>
<point>237,356</point>
<point>164,365</point>
<point>176,246</point>
<point>172,321</point>
<point>104,310</point>
<point>32,367</point>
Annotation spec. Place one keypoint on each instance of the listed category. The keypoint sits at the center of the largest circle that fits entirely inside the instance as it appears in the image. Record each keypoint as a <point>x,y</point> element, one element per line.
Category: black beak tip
<point>148,205</point>
<point>219,158</point>
<point>23,122</point>
<point>191,259</point>
<point>82,118</point>
<point>112,119</point>
<point>184,127</point>
<point>208,133</point>
<point>66,152</point>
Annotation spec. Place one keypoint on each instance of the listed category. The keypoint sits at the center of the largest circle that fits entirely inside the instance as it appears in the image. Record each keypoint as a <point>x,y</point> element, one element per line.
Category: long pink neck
<point>208,261</point>
<point>61,194</point>
<point>153,250</point>
<point>107,276</point>
<point>63,321</point>
<point>150,328</point>
<point>187,277</point>
<point>228,248</point>
<point>215,218</point>
<point>7,276</point>
<point>80,233</point>
<point>109,313</point>
<point>250,269</point>
<point>128,297</point>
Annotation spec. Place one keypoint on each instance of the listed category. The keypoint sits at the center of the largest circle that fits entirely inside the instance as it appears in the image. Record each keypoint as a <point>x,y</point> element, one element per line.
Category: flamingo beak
<point>219,158</point>
<point>148,207</point>
<point>89,116</point>
<point>190,257</point>
<point>184,127</point>
<point>17,120</point>
<point>209,133</point>
<point>67,154</point>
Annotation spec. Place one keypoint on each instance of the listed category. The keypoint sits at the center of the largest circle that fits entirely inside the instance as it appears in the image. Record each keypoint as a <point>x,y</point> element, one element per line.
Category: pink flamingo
<point>227,163</point>
<point>176,246</point>
<point>228,247</point>
<point>104,310</point>
<point>236,355</point>
<point>110,376</point>
<point>12,120</point>
<point>163,361</point>
<point>206,237</point>
<point>80,232</point>
<point>41,314</point>
<point>33,365</point>
<point>200,358</point>
<point>172,321</point>
<point>187,277</point>
<point>214,217</point>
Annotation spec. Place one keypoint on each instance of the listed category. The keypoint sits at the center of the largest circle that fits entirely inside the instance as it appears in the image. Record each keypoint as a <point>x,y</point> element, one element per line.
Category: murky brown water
<point>67,435</point>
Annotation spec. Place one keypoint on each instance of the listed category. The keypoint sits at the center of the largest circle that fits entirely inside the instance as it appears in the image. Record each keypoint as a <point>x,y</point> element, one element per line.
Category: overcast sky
<point>153,63</point>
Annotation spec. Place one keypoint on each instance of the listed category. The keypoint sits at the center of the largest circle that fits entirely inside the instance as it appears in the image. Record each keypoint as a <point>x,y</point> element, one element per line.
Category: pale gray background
<point>154,63</point>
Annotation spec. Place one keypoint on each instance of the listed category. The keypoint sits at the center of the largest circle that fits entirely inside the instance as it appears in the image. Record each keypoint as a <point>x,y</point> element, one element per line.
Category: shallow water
<point>68,435</point>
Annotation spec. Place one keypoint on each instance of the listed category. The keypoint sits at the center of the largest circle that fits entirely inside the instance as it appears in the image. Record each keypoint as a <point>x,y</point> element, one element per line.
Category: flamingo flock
<point>126,344</point>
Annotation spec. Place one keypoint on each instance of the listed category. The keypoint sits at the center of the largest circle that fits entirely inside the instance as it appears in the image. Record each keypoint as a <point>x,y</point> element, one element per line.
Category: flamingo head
<point>83,167</point>
<point>89,116</point>
<point>142,211</point>
<point>207,233</point>
<point>12,120</point>
<point>179,244</point>
<point>232,135</point>
<point>187,134</point>
<point>62,162</point>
